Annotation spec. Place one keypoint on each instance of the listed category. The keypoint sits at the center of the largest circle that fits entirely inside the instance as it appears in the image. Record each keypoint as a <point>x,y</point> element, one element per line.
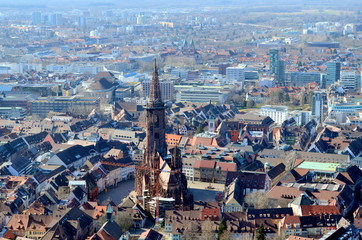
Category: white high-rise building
<point>278,113</point>
<point>317,106</point>
<point>167,90</point>
<point>236,74</point>
<point>348,81</point>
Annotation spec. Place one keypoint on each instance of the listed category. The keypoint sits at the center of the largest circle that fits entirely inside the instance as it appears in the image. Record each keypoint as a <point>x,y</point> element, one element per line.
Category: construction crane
<point>156,182</point>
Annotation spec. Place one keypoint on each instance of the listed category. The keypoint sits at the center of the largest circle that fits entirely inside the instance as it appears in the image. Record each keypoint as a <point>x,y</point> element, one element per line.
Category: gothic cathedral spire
<point>148,180</point>
<point>155,99</point>
<point>156,120</point>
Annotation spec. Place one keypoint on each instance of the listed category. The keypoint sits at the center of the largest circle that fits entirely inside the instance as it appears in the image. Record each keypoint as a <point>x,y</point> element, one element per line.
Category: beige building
<point>103,87</point>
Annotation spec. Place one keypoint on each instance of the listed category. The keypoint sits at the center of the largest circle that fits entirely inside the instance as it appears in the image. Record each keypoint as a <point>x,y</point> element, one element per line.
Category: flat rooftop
<point>330,167</point>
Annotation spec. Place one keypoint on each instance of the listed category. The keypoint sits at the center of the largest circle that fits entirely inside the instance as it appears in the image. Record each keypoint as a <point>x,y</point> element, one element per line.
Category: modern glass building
<point>333,72</point>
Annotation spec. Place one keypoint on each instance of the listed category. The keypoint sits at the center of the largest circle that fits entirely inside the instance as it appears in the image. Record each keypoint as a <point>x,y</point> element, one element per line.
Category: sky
<point>172,3</point>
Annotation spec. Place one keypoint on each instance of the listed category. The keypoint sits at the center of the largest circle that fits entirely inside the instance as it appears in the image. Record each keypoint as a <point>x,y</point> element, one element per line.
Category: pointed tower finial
<point>155,67</point>
<point>155,94</point>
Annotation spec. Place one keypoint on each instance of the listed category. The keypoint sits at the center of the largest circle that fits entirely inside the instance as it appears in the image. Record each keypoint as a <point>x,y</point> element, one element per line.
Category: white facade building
<point>317,106</point>
<point>348,81</point>
<point>278,113</point>
<point>167,90</point>
<point>236,74</point>
<point>201,95</point>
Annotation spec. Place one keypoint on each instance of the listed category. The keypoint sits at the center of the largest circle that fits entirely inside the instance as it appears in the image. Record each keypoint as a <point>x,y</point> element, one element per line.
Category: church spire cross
<point>155,99</point>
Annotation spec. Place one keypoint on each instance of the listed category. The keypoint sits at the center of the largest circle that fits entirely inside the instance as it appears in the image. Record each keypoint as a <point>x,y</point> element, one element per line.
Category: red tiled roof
<point>204,164</point>
<point>318,210</point>
<point>210,212</point>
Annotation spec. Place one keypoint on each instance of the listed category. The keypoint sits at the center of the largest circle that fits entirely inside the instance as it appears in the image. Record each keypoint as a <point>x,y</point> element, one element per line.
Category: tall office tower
<point>317,106</point>
<point>277,67</point>
<point>323,81</point>
<point>36,18</point>
<point>82,21</point>
<point>274,58</point>
<point>348,81</point>
<point>56,19</point>
<point>280,75</point>
<point>222,68</point>
<point>333,72</point>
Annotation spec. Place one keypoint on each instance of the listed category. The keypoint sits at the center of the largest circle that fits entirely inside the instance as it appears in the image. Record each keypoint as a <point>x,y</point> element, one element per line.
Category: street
<point>118,193</point>
<point>201,191</point>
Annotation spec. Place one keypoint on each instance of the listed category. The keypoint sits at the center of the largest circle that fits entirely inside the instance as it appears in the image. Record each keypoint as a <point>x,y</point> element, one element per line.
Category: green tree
<point>222,226</point>
<point>286,97</point>
<point>199,129</point>
<point>280,96</point>
<point>261,233</point>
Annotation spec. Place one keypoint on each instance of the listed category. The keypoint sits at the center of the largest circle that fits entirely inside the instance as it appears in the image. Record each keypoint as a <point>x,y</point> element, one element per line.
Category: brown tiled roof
<point>102,81</point>
<point>202,141</point>
<point>299,238</point>
<point>290,220</point>
<point>225,166</point>
<point>129,106</point>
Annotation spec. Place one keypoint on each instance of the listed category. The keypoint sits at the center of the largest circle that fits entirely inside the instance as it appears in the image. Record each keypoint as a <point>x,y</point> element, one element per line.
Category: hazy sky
<point>177,3</point>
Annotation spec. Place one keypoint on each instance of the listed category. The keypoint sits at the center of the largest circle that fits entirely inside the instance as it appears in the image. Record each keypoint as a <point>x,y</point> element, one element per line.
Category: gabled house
<point>150,234</point>
<point>312,226</point>
<point>74,156</point>
<point>354,149</point>
<point>234,197</point>
<point>135,212</point>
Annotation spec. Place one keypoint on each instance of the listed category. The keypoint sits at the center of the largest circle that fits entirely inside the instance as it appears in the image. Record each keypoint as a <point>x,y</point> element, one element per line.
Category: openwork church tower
<point>161,171</point>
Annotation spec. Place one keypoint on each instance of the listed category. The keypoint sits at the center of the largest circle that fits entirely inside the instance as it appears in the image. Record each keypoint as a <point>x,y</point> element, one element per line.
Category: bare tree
<point>226,235</point>
<point>280,236</point>
<point>124,220</point>
<point>180,61</point>
<point>99,222</point>
<point>208,230</point>
<point>245,236</point>
<point>257,200</point>
<point>192,231</point>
